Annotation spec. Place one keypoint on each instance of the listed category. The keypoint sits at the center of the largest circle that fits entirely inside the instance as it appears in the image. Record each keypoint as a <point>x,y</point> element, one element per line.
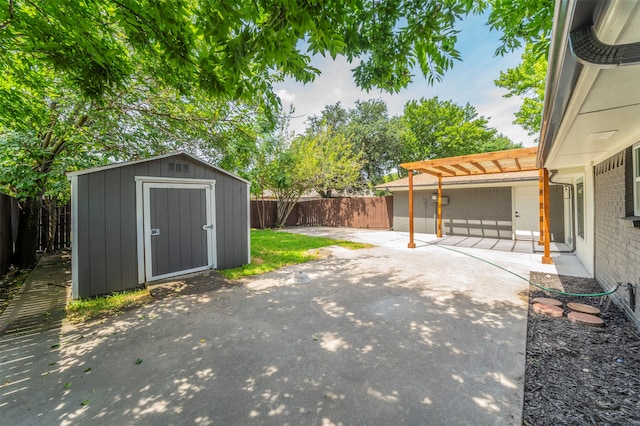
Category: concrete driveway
<point>378,336</point>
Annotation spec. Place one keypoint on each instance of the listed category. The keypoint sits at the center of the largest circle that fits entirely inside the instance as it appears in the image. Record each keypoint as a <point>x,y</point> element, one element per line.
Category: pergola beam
<point>509,154</point>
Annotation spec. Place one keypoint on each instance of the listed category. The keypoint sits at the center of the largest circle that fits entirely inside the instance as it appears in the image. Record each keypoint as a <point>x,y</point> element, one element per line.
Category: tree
<point>47,127</point>
<point>331,160</point>
<point>370,130</point>
<point>325,161</point>
<point>528,81</point>
<point>444,129</point>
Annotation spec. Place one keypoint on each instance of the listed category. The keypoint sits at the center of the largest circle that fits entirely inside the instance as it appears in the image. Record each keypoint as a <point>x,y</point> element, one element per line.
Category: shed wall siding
<point>107,243</point>
<point>617,242</point>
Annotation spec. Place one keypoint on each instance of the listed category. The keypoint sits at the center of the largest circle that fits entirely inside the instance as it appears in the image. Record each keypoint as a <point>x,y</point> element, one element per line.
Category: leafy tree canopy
<point>522,22</point>
<point>234,48</point>
<point>528,81</point>
<point>445,129</point>
<point>380,138</point>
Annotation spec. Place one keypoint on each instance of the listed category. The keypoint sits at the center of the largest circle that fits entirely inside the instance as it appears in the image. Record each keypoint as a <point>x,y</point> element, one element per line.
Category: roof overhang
<point>512,160</point>
<point>157,157</point>
<point>591,105</point>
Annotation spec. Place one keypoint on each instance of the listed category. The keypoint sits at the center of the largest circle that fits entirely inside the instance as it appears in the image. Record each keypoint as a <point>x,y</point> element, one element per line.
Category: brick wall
<point>617,242</point>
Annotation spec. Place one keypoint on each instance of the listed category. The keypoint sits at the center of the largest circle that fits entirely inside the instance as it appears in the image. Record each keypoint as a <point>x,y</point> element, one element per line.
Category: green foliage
<point>233,49</point>
<point>380,139</point>
<point>271,250</point>
<point>522,22</point>
<point>330,160</point>
<point>445,129</point>
<point>528,81</point>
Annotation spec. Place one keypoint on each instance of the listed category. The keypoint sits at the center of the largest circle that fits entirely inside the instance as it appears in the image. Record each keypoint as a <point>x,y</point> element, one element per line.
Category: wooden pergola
<point>514,160</point>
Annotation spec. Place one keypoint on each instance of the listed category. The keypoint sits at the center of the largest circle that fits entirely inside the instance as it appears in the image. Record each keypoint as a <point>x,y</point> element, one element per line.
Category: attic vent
<point>178,168</point>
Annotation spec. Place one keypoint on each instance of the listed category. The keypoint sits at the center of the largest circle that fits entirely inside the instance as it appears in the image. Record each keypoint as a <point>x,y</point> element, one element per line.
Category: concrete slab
<point>563,264</point>
<point>386,335</point>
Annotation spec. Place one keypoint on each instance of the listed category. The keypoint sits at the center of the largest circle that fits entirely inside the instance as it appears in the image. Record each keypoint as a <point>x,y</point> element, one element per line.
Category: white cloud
<point>285,96</point>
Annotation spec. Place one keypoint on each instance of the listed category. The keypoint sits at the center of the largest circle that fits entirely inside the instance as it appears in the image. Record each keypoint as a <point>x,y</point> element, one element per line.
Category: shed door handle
<point>205,227</point>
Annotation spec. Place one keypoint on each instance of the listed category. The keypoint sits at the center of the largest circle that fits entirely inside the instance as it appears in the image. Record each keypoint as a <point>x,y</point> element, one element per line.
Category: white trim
<point>189,181</point>
<point>178,273</point>
<point>212,232</point>
<point>75,289</point>
<point>159,157</point>
<point>140,230</point>
<point>143,212</point>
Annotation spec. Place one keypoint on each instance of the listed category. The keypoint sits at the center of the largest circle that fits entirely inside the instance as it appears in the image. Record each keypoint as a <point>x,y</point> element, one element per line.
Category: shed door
<point>526,222</point>
<point>178,228</point>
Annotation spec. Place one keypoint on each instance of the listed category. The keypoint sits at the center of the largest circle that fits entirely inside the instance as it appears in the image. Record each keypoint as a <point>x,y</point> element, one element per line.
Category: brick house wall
<point>617,241</point>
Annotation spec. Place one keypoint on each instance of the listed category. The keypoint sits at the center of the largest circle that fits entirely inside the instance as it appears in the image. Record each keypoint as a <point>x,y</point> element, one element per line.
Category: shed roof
<point>512,160</point>
<point>158,157</point>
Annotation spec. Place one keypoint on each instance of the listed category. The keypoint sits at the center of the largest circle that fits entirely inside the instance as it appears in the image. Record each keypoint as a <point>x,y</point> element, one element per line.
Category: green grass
<point>84,309</point>
<point>271,250</point>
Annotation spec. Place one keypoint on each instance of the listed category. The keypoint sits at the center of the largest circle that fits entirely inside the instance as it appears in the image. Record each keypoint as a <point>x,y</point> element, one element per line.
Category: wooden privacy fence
<point>361,212</point>
<point>62,234</point>
<point>8,230</point>
<point>9,217</point>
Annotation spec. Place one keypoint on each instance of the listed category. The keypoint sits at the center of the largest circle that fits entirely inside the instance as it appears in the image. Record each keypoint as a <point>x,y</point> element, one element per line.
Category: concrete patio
<point>385,335</point>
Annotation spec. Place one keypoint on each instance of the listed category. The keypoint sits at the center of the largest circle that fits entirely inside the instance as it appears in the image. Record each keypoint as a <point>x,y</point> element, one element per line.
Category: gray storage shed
<point>155,218</point>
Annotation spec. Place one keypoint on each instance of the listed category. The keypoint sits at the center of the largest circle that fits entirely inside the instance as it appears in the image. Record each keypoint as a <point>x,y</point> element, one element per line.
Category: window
<point>636,179</point>
<point>580,207</point>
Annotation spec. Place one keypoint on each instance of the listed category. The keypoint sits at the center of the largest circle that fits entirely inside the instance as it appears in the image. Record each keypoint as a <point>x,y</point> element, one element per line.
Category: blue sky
<point>470,80</point>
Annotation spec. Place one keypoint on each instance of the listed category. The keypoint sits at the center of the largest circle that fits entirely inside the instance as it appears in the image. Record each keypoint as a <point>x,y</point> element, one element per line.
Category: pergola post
<point>546,259</point>
<point>541,205</point>
<point>439,230</point>
<point>412,244</point>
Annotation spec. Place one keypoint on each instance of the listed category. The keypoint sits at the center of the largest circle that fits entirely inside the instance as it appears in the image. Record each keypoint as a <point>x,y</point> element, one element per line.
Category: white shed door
<point>526,221</point>
<point>178,229</point>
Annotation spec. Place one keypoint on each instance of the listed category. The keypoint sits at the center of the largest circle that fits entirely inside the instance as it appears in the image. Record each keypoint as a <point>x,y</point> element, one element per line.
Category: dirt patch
<point>579,375</point>
<point>190,284</point>
<point>10,285</point>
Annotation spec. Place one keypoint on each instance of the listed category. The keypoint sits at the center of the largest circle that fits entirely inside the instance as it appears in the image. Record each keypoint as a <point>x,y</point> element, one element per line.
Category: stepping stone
<point>585,319</point>
<point>548,310</point>
<point>585,309</point>
<point>547,301</point>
